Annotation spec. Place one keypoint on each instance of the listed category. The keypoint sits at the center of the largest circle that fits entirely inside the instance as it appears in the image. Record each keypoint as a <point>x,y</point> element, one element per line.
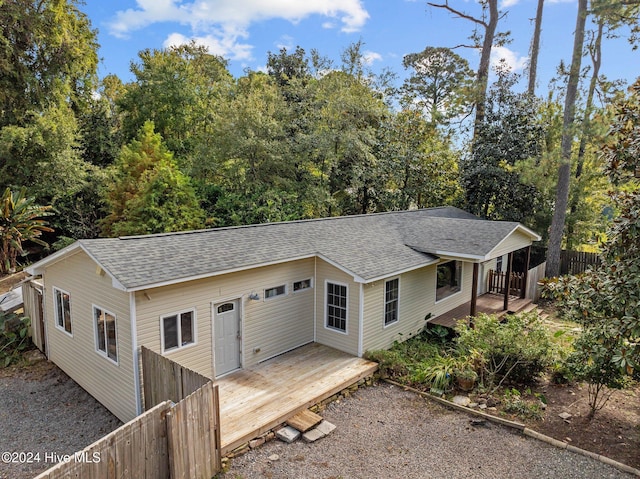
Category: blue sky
<point>243,31</point>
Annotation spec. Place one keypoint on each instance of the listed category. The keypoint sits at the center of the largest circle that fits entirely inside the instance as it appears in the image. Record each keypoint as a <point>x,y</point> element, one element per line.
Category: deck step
<point>529,307</point>
<point>305,420</point>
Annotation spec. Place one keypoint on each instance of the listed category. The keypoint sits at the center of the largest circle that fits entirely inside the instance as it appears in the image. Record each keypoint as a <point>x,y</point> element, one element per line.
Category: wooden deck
<point>487,303</point>
<point>252,401</point>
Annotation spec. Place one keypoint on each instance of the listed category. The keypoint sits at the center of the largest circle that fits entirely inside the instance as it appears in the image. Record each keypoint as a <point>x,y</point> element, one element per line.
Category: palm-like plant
<point>20,221</point>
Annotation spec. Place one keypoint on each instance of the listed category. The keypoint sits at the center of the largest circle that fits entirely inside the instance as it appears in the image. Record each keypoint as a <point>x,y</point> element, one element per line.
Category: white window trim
<point>104,354</point>
<point>180,346</point>
<point>303,289</point>
<point>438,301</point>
<point>55,312</point>
<point>264,292</point>
<point>326,309</point>
<point>384,302</point>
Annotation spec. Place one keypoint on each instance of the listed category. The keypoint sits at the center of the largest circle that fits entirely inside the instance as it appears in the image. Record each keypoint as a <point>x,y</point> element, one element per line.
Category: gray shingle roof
<point>368,246</point>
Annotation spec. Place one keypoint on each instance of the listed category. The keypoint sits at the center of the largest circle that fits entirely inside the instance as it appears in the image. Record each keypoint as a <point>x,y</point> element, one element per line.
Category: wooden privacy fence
<point>576,262</point>
<point>498,282</point>
<point>136,449</point>
<point>533,276</point>
<point>193,429</point>
<point>165,379</point>
<point>168,441</point>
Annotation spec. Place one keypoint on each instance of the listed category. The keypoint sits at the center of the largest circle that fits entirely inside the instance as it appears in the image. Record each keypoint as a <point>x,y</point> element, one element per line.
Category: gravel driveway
<point>383,431</point>
<point>43,411</point>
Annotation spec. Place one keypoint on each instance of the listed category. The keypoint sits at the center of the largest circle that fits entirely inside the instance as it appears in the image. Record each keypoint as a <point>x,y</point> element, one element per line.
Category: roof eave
<point>142,287</point>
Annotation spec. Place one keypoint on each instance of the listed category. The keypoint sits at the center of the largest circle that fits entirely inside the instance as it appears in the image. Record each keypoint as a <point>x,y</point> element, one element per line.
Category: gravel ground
<point>383,431</point>
<point>43,411</point>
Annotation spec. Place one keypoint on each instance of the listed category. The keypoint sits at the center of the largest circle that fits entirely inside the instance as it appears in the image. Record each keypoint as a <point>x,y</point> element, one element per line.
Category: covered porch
<point>487,303</point>
<point>253,401</point>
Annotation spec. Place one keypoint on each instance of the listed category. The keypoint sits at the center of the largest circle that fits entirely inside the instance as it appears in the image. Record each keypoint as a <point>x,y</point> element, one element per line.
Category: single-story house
<point>223,299</point>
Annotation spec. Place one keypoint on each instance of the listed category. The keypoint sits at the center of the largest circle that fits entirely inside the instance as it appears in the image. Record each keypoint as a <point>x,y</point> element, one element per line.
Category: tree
<point>606,301</point>
<point>510,133</point>
<point>21,221</point>
<point>535,49</point>
<point>43,154</point>
<point>285,67</point>
<point>556,231</point>
<point>179,89</point>
<point>440,84</point>
<point>489,25</point>
<point>149,194</point>
<point>46,47</point>
<point>418,164</point>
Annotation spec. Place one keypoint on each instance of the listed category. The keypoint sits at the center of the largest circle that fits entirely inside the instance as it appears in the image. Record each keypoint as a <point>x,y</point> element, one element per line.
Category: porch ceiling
<point>252,401</point>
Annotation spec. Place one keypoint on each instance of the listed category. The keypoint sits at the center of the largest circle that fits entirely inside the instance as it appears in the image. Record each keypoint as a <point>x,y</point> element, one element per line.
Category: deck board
<point>252,401</point>
<point>487,303</point>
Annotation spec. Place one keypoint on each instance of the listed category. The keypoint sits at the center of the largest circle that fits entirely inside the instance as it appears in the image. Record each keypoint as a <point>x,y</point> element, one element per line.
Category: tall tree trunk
<point>595,50</point>
<point>490,27</point>
<point>535,49</point>
<point>564,171</point>
<point>485,57</point>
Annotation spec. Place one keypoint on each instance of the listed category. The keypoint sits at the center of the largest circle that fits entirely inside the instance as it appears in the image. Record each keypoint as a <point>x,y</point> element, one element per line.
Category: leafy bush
<point>438,372</point>
<point>519,348</point>
<point>14,337</point>
<point>391,363</point>
<point>515,403</point>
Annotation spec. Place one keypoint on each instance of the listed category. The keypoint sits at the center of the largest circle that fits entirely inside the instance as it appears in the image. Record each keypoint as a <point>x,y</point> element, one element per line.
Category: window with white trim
<point>449,276</point>
<point>302,285</point>
<point>337,307</point>
<point>391,295</point>
<point>178,330</point>
<point>106,333</point>
<point>275,291</point>
<point>62,304</point>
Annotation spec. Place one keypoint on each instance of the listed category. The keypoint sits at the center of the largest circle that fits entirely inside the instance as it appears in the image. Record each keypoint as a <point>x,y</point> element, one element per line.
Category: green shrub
<point>518,348</point>
<point>437,372</point>
<point>14,338</point>
<point>391,364</point>
<point>515,403</point>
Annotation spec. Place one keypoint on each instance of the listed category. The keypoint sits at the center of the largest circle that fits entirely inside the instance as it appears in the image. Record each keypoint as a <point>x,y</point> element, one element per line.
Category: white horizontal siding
<point>417,300</point>
<point>513,242</point>
<point>336,339</point>
<point>113,385</point>
<point>271,326</point>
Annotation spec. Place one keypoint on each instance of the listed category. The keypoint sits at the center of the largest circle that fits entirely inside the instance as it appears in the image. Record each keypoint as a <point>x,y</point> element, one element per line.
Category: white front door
<point>226,337</point>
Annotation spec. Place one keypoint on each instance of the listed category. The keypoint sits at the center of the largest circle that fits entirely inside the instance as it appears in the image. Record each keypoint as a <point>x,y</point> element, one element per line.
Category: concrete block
<point>325,427</point>
<point>288,434</point>
<point>313,435</point>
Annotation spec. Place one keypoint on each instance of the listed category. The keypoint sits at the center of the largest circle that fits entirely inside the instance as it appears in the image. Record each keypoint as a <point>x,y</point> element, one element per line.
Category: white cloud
<point>369,57</point>
<point>222,24</point>
<point>509,3</point>
<point>226,46</point>
<point>286,42</point>
<point>511,58</point>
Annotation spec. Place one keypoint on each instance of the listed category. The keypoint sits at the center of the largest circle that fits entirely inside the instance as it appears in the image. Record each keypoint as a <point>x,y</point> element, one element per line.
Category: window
<point>448,282</point>
<point>391,290</point>
<point>273,292</point>
<point>337,307</point>
<point>178,330</point>
<point>106,335</point>
<point>499,264</point>
<point>302,285</point>
<point>63,309</point>
<point>225,308</point>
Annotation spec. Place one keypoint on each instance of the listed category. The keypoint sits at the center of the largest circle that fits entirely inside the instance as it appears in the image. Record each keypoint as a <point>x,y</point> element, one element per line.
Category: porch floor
<point>487,303</point>
<point>254,400</point>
